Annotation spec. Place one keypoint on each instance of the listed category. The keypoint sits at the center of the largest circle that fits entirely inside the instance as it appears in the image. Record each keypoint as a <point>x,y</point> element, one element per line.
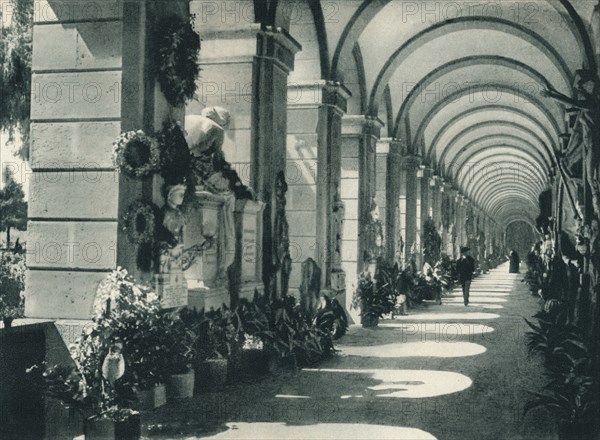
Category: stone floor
<point>443,372</point>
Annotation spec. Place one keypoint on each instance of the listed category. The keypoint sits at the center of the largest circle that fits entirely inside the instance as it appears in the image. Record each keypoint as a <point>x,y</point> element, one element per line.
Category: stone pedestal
<point>249,226</point>
<point>170,284</point>
<point>210,226</point>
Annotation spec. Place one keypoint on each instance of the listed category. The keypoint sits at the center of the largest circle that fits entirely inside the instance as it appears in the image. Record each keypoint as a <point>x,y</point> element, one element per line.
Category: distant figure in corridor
<point>465,266</point>
<point>515,262</point>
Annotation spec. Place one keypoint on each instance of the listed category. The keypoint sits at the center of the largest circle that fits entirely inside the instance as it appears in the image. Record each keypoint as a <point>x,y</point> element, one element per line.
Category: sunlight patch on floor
<point>449,316</point>
<point>445,330</point>
<point>474,298</point>
<point>319,431</point>
<point>416,349</point>
<point>413,384</point>
<point>480,304</point>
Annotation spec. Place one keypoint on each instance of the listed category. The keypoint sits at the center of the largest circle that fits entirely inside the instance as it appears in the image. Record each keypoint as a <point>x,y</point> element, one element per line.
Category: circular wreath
<point>136,153</point>
<point>177,52</point>
<point>139,222</point>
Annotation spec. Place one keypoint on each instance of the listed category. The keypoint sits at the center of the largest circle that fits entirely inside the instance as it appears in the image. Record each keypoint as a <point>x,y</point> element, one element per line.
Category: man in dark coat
<point>465,266</point>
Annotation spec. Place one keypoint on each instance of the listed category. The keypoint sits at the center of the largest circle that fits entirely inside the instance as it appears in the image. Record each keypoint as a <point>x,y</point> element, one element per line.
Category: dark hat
<point>464,249</point>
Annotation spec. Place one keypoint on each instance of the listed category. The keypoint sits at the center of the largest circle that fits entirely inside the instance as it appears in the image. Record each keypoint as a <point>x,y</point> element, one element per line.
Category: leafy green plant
<point>90,385</point>
<point>12,284</point>
<point>432,242</point>
<point>130,314</point>
<point>376,296</point>
<point>571,393</point>
<point>182,341</point>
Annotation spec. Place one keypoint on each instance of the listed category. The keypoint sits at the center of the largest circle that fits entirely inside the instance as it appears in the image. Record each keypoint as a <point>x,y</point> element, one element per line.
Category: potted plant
<point>97,387</point>
<point>181,355</point>
<point>129,313</point>
<point>254,327</point>
<point>376,296</point>
<point>12,284</point>
<point>572,393</point>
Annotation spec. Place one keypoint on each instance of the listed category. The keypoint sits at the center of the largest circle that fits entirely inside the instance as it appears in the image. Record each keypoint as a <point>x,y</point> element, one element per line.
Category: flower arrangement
<point>140,222</point>
<point>12,284</point>
<point>136,154</point>
<point>177,52</point>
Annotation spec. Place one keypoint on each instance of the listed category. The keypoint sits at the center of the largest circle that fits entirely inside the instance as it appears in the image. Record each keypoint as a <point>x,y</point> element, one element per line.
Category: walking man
<point>465,266</point>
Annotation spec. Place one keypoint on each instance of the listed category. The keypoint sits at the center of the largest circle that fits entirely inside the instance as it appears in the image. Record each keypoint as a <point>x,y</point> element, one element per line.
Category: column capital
<point>409,161</point>
<point>313,94</point>
<point>277,44</point>
<point>393,146</point>
<point>359,125</point>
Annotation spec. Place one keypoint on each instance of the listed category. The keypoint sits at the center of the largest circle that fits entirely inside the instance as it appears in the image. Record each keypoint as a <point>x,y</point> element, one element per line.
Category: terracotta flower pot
<point>7,322</point>
<point>152,398</point>
<point>181,386</point>
<point>105,429</point>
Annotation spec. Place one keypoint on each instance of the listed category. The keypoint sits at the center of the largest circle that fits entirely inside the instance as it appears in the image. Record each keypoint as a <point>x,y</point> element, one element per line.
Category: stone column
<point>461,236</point>
<point>392,221</point>
<point>359,139</point>
<point>89,84</point>
<point>437,193</point>
<point>245,68</point>
<point>425,204</point>
<point>408,200</point>
<point>314,160</point>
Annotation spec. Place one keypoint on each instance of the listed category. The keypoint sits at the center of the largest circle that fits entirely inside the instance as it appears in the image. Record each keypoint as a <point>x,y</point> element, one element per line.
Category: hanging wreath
<point>139,222</point>
<point>177,51</point>
<point>136,154</point>
<point>175,157</point>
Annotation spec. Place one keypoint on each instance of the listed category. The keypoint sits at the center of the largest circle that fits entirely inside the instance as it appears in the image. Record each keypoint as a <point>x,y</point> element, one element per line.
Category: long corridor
<point>443,372</point>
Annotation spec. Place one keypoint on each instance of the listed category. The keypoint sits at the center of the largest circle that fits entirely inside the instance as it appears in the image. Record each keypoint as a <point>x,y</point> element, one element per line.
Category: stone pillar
<point>437,193</point>
<point>408,200</point>
<point>425,205</point>
<point>461,217</point>
<point>393,243</point>
<point>89,84</point>
<point>430,188</point>
<point>359,139</point>
<point>245,68</point>
<point>314,160</point>
<point>381,182</point>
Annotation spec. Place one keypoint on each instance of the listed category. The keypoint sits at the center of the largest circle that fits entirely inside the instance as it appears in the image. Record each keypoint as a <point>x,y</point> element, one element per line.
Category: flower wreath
<point>140,222</point>
<point>136,153</point>
<point>177,51</point>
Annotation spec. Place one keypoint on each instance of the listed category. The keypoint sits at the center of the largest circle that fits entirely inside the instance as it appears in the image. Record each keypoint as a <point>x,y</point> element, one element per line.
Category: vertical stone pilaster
<point>392,149</point>
<point>245,69</point>
<point>87,87</point>
<point>410,165</point>
<point>426,205</point>
<point>359,139</point>
<point>314,161</point>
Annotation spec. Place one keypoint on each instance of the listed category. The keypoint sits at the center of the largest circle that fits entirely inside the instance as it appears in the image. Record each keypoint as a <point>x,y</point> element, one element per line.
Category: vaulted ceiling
<point>459,83</point>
